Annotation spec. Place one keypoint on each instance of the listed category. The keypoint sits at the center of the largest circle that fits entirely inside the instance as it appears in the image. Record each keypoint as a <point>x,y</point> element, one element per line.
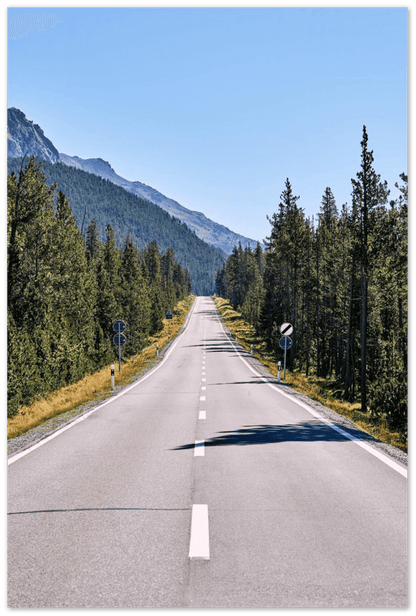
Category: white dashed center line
<point>199,448</point>
<point>202,415</point>
<point>199,545</point>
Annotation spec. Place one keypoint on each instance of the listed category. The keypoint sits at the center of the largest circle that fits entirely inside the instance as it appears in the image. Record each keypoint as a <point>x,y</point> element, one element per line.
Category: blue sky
<point>216,107</point>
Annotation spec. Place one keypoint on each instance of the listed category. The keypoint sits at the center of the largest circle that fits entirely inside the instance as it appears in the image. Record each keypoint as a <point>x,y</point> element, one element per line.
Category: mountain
<point>23,136</point>
<point>92,197</point>
<point>26,137</point>
<point>211,232</point>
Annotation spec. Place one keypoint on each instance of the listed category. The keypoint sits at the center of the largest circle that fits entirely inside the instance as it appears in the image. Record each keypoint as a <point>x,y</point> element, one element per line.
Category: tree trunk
<point>363,343</point>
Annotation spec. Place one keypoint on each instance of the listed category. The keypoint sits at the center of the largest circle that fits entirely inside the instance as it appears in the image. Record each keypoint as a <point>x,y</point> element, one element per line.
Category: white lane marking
<point>202,415</point>
<point>199,449</point>
<point>202,398</point>
<point>203,388</point>
<point>98,408</point>
<point>204,379</point>
<point>374,452</point>
<point>199,544</point>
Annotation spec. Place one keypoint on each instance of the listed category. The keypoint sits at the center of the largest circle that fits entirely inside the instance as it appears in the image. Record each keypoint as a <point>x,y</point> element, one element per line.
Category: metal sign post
<point>285,342</point>
<point>119,339</point>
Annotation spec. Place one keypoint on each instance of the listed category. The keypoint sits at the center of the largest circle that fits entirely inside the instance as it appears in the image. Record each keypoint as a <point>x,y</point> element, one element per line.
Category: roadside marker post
<point>169,316</point>
<point>112,376</point>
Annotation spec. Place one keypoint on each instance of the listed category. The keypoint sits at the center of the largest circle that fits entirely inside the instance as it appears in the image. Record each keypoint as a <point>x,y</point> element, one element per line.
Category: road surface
<point>204,486</point>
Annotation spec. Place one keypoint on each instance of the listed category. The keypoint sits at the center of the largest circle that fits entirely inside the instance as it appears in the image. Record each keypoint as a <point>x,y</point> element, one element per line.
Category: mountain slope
<point>211,232</point>
<point>26,137</point>
<point>92,197</point>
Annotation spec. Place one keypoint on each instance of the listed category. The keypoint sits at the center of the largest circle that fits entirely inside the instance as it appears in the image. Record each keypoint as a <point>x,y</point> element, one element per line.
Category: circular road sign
<point>119,326</point>
<point>285,342</point>
<point>119,339</point>
<point>286,329</point>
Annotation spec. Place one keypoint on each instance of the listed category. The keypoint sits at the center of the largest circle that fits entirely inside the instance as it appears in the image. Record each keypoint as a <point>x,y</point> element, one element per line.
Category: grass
<point>97,386</point>
<point>322,390</point>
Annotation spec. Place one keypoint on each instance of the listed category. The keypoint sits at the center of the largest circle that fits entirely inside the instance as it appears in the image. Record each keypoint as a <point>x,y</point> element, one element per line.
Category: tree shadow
<point>309,431</point>
<point>256,380</point>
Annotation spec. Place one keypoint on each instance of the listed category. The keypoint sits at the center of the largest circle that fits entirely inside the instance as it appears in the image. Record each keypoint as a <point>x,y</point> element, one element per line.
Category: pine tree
<point>368,192</point>
<point>135,301</point>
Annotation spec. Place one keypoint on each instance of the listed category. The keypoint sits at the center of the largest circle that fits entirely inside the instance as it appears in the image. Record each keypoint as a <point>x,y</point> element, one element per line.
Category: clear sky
<point>216,107</point>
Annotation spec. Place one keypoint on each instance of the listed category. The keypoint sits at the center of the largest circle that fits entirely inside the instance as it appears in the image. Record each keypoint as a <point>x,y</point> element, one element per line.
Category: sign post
<point>285,342</point>
<point>119,339</point>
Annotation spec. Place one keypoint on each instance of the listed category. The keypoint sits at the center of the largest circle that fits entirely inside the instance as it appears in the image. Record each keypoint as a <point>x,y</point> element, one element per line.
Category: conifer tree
<point>135,301</point>
<point>368,192</point>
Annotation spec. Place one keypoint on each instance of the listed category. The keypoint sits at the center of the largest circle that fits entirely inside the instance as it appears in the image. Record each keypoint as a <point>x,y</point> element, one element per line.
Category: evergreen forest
<point>341,281</point>
<point>66,288</point>
<point>92,197</point>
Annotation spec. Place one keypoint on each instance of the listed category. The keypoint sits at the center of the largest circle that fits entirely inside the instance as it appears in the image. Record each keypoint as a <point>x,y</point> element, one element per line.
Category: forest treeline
<point>341,281</point>
<point>92,197</point>
<point>65,290</point>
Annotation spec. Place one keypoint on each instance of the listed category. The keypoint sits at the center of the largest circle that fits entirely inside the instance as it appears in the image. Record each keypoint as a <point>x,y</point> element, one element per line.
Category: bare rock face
<point>25,137</point>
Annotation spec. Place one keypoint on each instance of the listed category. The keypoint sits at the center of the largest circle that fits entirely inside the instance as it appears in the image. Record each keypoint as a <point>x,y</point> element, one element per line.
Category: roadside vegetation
<point>97,386</point>
<point>323,390</point>
<point>66,288</point>
<point>340,279</point>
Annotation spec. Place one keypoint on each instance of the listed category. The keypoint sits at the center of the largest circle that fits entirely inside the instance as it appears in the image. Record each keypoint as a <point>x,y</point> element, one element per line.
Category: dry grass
<point>322,390</point>
<point>97,386</point>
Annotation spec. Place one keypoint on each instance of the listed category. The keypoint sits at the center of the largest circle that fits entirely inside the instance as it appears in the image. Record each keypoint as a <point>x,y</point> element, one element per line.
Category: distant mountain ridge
<point>26,137</point>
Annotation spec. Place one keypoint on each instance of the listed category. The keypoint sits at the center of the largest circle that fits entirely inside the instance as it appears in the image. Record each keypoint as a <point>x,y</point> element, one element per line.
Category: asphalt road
<point>204,486</point>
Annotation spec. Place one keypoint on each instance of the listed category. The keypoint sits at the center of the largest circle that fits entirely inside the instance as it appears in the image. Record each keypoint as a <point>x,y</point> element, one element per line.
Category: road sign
<point>119,326</point>
<point>119,339</point>
<point>169,314</point>
<point>286,329</point>
<point>285,342</point>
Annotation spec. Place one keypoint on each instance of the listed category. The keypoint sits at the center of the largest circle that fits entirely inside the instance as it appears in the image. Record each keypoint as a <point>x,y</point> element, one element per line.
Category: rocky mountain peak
<point>25,137</point>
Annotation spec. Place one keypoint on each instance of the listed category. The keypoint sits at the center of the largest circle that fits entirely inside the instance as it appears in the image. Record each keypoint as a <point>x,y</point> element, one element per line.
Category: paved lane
<point>292,514</point>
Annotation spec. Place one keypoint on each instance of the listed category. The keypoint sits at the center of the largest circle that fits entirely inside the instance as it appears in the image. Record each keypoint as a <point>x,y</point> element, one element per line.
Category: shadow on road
<point>255,381</point>
<point>309,431</point>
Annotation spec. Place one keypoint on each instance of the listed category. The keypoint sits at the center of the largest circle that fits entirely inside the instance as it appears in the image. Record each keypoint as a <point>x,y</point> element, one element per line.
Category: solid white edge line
<point>199,542</point>
<point>98,408</point>
<point>397,467</point>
